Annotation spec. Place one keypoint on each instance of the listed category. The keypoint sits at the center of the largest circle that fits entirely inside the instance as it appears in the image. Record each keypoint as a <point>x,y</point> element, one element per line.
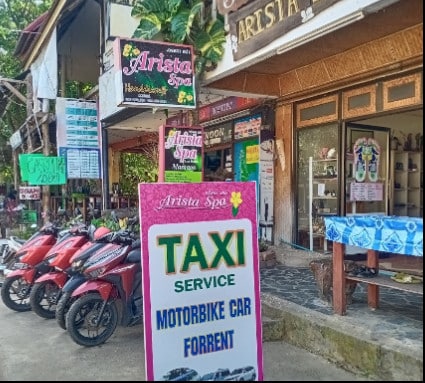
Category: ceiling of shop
<point>147,122</point>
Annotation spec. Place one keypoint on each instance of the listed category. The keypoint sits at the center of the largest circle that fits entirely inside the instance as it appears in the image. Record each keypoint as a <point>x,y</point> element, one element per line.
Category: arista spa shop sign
<point>154,74</point>
<point>180,154</point>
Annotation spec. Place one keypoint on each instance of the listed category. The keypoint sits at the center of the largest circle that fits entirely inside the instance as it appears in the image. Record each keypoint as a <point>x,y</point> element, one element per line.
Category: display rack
<point>407,183</point>
<point>323,196</point>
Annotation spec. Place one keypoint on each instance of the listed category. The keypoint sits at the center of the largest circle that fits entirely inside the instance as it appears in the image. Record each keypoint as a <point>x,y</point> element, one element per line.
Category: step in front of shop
<point>342,344</point>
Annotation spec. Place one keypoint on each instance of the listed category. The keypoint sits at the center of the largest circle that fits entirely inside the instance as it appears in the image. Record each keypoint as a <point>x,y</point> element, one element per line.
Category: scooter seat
<point>134,256</point>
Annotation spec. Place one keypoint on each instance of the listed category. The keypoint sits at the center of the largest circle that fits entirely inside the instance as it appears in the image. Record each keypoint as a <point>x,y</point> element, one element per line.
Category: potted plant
<point>267,254</point>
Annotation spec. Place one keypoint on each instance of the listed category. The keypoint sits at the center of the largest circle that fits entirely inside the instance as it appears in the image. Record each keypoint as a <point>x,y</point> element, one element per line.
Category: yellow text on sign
<point>252,154</point>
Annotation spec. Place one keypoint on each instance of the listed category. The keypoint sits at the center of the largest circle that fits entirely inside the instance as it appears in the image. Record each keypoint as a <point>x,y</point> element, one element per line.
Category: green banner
<point>23,164</point>
<point>46,170</point>
<point>28,216</point>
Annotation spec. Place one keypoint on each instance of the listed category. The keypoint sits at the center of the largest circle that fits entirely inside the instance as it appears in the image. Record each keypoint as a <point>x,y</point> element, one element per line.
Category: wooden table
<point>391,234</point>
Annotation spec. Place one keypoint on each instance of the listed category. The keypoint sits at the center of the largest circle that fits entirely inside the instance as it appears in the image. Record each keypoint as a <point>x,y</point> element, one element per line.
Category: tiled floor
<point>399,316</point>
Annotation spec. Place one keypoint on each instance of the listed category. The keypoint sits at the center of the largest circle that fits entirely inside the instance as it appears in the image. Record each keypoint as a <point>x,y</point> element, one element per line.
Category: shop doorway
<point>366,167</point>
<point>366,172</point>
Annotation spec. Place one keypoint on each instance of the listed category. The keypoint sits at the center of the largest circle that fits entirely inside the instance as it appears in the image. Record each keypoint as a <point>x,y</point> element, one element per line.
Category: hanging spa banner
<point>180,154</point>
<point>152,73</point>
<point>201,284</point>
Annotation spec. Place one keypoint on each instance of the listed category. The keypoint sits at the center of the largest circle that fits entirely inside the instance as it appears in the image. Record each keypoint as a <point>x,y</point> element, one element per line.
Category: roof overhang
<point>262,72</point>
<point>49,22</point>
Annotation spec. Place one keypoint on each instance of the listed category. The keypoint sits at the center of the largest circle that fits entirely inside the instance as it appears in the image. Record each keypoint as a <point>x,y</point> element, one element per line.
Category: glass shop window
<point>218,165</point>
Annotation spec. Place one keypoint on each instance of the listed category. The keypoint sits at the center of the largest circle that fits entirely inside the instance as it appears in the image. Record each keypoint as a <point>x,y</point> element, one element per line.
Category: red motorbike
<point>47,288</point>
<point>32,260</point>
<point>111,295</point>
<point>101,236</point>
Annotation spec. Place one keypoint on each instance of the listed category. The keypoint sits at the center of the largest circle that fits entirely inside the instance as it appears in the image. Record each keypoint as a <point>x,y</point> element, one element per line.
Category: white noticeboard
<point>78,138</point>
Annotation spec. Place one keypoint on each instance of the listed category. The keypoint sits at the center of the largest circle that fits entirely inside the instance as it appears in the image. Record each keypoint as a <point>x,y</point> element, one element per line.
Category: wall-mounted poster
<point>81,163</point>
<point>76,123</point>
<point>366,191</point>
<point>152,73</point>
<point>23,164</point>
<point>29,193</point>
<point>247,127</point>
<point>267,153</point>
<point>43,170</point>
<point>366,152</point>
<point>201,284</point>
<point>78,137</point>
<point>180,154</point>
<point>246,160</point>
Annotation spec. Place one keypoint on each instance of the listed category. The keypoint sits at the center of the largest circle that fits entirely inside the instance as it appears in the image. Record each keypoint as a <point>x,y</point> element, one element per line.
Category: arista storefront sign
<point>262,21</point>
<point>154,74</point>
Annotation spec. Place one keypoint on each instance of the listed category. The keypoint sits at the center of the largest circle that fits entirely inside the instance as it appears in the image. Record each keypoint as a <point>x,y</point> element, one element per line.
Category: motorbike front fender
<point>72,283</point>
<point>56,277</point>
<point>102,287</point>
<point>27,274</point>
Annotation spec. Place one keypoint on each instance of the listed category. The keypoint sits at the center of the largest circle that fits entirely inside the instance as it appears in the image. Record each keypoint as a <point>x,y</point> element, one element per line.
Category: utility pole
<point>46,152</point>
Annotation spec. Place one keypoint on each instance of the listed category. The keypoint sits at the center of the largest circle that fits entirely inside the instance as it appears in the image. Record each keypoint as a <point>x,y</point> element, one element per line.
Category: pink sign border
<point>150,196</point>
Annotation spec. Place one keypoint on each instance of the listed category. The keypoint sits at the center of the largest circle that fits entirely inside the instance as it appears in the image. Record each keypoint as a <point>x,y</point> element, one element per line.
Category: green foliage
<point>24,232</point>
<point>15,15</point>
<point>105,222</point>
<point>77,89</point>
<point>137,168</point>
<point>183,22</point>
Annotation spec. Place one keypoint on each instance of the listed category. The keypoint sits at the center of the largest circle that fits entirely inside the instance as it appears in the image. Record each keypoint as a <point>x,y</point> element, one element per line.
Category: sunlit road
<point>36,349</point>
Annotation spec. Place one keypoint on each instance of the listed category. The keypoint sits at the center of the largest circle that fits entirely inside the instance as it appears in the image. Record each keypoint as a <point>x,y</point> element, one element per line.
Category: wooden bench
<point>386,281</point>
<point>373,283</point>
<point>392,234</point>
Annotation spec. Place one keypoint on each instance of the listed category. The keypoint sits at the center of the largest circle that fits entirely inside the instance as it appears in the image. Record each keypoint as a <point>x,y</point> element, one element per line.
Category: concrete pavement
<point>35,349</point>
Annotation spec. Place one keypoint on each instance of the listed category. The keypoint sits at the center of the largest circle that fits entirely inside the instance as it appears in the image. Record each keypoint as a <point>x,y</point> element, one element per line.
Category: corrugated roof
<point>29,35</point>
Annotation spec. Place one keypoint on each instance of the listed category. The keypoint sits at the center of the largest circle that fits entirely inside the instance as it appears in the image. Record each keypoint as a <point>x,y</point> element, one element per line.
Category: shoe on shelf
<point>364,272</point>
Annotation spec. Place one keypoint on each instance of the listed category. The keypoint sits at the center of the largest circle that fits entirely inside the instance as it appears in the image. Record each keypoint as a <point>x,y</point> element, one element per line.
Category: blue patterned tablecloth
<point>393,234</point>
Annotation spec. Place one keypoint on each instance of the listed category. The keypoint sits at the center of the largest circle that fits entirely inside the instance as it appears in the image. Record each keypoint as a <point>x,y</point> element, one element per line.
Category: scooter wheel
<point>84,323</point>
<point>62,308</point>
<point>15,293</point>
<point>43,298</point>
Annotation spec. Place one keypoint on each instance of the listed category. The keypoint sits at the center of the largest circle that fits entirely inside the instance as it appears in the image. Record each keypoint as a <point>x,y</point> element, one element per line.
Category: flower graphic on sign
<point>185,97</point>
<point>130,51</point>
<point>235,200</point>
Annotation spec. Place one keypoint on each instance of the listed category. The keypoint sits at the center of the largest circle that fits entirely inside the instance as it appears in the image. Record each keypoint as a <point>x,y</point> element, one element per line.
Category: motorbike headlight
<point>51,258</point>
<point>95,273</point>
<point>21,255</point>
<point>77,264</point>
<point>20,266</point>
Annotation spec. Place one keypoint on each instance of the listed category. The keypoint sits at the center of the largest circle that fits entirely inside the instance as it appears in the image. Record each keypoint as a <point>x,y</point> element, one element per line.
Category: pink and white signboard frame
<point>201,283</point>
